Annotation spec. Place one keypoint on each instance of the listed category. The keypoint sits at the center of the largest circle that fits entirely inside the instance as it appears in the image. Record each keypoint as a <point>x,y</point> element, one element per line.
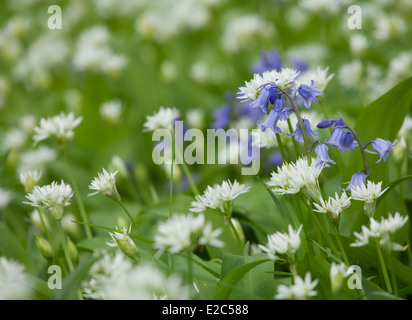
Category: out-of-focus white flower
<point>337,273</point>
<point>324,8</point>
<point>195,118</point>
<point>111,110</point>
<point>400,68</point>
<point>283,245</point>
<point>243,31</point>
<point>389,26</point>
<point>60,127</point>
<point>53,198</point>
<point>37,220</point>
<point>115,278</point>
<point>184,233</point>
<point>264,139</point>
<point>302,289</point>
<point>162,21</point>
<point>163,119</point>
<point>119,165</point>
<point>5,198</point>
<point>15,283</point>
<point>168,70</point>
<point>219,197</point>
<point>350,74</point>
<point>27,123</point>
<point>37,159</point>
<point>14,139</point>
<point>73,100</point>
<point>105,183</point>
<point>382,231</point>
<point>94,54</point>
<point>29,179</point>
<point>358,44</point>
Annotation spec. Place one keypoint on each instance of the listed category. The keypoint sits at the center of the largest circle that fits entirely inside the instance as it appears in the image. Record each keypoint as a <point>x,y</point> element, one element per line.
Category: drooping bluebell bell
<point>299,64</point>
<point>342,140</point>
<point>298,131</point>
<point>323,156</point>
<point>357,180</point>
<point>271,121</point>
<point>221,117</point>
<point>381,147</point>
<point>268,61</point>
<point>266,96</point>
<point>309,93</point>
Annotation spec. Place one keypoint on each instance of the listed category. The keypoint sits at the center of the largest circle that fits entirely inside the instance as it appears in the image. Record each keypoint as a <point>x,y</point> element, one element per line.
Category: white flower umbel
<point>302,289</point>
<point>219,197</point>
<point>184,233</point>
<point>15,283</point>
<point>105,184</point>
<point>382,231</point>
<point>163,119</point>
<point>29,179</point>
<point>125,243</point>
<point>337,273</point>
<point>37,159</point>
<point>368,193</point>
<point>292,178</point>
<point>284,79</point>
<point>59,127</point>
<point>319,76</point>
<point>53,198</point>
<point>283,245</point>
<point>334,206</point>
<point>209,236</point>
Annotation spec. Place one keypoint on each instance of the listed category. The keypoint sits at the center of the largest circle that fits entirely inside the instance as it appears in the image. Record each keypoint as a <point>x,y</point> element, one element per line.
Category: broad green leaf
<point>71,283</point>
<point>235,268</point>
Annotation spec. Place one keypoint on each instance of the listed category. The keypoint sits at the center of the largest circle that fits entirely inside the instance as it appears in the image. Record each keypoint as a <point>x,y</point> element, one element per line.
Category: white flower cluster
<point>5,198</point>
<point>15,283</point>
<point>281,245</point>
<point>368,193</point>
<point>382,231</point>
<point>93,52</point>
<point>302,289</point>
<point>163,119</point>
<point>59,127</point>
<point>53,198</point>
<point>105,184</point>
<point>283,79</point>
<point>292,178</point>
<point>334,206</point>
<point>114,278</point>
<point>219,197</point>
<point>184,233</point>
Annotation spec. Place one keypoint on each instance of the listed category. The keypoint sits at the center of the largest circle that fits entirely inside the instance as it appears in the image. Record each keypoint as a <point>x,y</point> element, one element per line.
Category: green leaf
<point>71,283</point>
<point>256,282</point>
<point>11,248</point>
<point>392,185</point>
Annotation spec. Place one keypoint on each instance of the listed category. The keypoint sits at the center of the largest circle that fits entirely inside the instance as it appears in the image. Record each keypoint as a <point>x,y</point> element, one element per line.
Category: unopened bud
<point>399,152</point>
<point>44,247</point>
<point>72,249</point>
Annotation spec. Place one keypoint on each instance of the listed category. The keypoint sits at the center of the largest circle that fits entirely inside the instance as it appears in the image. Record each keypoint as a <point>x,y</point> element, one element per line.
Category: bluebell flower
<point>281,107</point>
<point>323,156</point>
<point>330,122</point>
<point>269,61</point>
<point>271,121</point>
<point>266,96</point>
<point>298,132</point>
<point>382,147</point>
<point>357,180</point>
<point>342,140</point>
<point>309,93</point>
<point>221,117</point>
<point>275,159</point>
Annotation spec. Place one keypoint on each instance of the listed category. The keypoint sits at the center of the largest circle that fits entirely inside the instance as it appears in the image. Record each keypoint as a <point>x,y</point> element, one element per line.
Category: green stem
<point>130,217</point>
<point>239,241</point>
<point>295,144</point>
<point>301,125</point>
<point>383,267</point>
<point>64,245</point>
<point>189,267</point>
<point>78,196</point>
<point>393,276</point>
<point>341,248</point>
<point>281,149</point>
<point>187,173</point>
<point>171,177</point>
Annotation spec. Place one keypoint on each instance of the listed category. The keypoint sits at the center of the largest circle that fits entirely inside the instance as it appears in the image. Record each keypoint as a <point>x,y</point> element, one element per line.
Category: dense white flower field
<point>205,150</point>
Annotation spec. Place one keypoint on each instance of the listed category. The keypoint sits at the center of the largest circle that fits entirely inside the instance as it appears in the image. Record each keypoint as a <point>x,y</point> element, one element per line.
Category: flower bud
<point>399,152</point>
<point>44,247</point>
<point>72,249</point>
<point>125,244</point>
